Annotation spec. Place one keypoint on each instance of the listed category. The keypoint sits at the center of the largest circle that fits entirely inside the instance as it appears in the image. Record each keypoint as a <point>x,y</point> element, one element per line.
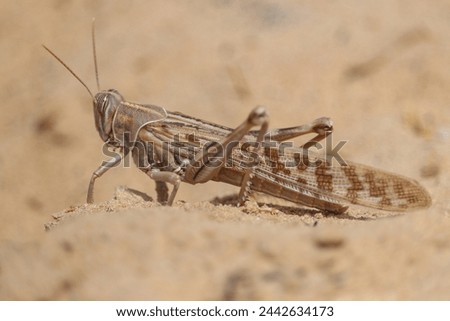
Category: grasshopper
<point>171,147</point>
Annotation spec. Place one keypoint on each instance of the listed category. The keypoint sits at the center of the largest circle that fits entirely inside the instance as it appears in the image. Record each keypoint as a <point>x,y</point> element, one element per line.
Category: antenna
<point>70,70</point>
<point>95,54</point>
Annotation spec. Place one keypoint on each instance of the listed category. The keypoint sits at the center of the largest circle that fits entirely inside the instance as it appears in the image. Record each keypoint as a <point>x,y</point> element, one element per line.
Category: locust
<point>172,147</point>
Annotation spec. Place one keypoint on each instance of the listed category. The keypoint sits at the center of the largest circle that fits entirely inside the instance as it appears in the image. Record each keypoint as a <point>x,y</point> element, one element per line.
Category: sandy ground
<point>379,69</point>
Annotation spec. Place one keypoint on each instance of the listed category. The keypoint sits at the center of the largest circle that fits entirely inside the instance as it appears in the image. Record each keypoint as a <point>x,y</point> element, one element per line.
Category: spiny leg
<point>321,126</point>
<point>249,171</point>
<point>99,172</point>
<point>203,169</point>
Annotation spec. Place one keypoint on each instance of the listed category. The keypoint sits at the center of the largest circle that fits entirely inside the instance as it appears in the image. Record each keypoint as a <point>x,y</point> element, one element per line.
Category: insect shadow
<point>233,200</point>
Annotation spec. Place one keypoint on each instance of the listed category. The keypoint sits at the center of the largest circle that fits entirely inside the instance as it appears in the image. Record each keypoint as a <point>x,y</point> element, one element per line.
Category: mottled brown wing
<point>348,183</point>
<point>287,176</point>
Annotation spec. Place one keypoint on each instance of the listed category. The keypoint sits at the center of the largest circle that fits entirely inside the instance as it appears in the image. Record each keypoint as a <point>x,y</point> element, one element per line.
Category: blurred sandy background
<point>379,69</point>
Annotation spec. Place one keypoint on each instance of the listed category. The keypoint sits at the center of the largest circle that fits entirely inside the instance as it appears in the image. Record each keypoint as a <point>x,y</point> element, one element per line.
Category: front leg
<point>106,165</point>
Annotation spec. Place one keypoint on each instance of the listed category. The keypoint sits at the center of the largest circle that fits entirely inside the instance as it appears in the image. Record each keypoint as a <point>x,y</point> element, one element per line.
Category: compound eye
<point>104,104</point>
